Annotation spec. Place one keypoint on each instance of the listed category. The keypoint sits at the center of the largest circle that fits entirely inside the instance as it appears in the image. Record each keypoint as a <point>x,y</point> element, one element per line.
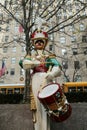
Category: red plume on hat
<point>39,35</point>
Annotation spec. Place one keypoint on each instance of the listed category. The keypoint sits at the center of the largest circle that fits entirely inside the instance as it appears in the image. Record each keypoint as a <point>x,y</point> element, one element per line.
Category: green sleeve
<point>52,62</point>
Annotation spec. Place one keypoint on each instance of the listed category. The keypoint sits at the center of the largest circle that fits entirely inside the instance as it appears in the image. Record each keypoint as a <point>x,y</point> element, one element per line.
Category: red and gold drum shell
<point>62,116</point>
<point>55,102</point>
<point>50,96</point>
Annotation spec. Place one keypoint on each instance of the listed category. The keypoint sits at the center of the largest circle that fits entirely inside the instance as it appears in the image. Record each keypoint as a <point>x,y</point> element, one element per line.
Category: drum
<point>55,102</point>
<point>51,96</point>
<point>60,116</point>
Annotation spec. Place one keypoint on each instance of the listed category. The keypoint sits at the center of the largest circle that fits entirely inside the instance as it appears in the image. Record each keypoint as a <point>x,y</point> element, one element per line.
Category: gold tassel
<point>32,100</point>
<point>32,105</point>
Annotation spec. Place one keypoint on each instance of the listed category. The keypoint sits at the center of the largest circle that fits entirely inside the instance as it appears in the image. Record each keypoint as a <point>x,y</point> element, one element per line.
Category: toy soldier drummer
<point>44,66</point>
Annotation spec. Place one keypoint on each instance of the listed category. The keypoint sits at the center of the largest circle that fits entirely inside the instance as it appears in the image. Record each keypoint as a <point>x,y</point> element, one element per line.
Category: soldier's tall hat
<point>39,36</point>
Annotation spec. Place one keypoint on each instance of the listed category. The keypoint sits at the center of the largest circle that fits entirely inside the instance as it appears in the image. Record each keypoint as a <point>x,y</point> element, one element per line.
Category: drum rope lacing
<point>61,106</point>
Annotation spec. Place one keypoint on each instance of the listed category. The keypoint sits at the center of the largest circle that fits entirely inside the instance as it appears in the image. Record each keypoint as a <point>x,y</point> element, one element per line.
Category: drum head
<point>48,90</point>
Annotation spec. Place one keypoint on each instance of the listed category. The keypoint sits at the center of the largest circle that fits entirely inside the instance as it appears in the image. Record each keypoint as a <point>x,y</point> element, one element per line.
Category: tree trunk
<point>26,97</point>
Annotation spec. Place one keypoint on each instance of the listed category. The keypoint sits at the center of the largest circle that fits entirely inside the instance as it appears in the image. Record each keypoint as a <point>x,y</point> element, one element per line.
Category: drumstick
<point>50,67</point>
<point>45,62</point>
<point>41,63</point>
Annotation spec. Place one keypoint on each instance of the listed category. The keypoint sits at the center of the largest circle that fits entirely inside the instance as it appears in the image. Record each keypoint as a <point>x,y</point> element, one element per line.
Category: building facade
<point>69,45</point>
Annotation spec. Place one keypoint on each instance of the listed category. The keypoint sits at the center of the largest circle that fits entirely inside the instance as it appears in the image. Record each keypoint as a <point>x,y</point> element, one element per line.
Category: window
<point>73,38</point>
<point>71,89</point>
<point>14,49</point>
<point>66,78</point>
<point>76,4</point>
<point>13,60</point>
<point>78,78</point>
<point>85,50</point>
<point>59,14</point>
<point>71,28</point>
<point>86,63</point>
<point>15,38</point>
<point>7,28</point>
<point>10,90</point>
<point>5,49</point>
<point>16,29</point>
<point>1,17</point>
<point>3,90</point>
<point>16,90</point>
<point>51,37</point>
<point>16,24</point>
<point>8,21</point>
<point>62,29</point>
<point>85,89</point>
<point>6,38</point>
<point>5,3</point>
<point>74,50</point>
<point>84,38</point>
<point>65,64</point>
<point>62,40</point>
<point>64,14</point>
<point>50,47</point>
<point>1,81</point>
<point>17,15</point>
<point>76,65</point>
<point>4,59</point>
<point>12,71</point>
<point>82,0</point>
<point>0,29</point>
<point>15,42</point>
<point>84,12</point>
<point>23,48</point>
<point>9,17</point>
<point>68,2</point>
<point>0,21</point>
<point>79,89</point>
<point>82,28</point>
<point>23,37</point>
<point>64,52</point>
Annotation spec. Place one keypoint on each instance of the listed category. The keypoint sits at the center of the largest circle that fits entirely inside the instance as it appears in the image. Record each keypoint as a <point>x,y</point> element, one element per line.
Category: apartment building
<point>11,51</point>
<point>70,46</point>
<point>70,49</point>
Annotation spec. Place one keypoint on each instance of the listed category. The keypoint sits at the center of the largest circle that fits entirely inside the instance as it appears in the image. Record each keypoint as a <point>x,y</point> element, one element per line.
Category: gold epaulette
<point>52,56</point>
<point>27,56</point>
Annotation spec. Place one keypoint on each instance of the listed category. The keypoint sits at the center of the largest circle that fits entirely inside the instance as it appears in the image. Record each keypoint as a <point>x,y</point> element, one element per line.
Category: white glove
<point>36,62</point>
<point>49,76</point>
<point>27,64</point>
<point>55,72</point>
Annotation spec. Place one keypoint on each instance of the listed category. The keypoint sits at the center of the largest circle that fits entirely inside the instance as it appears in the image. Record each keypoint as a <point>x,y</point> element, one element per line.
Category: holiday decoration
<point>47,98</point>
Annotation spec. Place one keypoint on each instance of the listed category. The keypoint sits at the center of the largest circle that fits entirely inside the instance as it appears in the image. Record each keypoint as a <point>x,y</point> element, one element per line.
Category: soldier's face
<point>39,44</point>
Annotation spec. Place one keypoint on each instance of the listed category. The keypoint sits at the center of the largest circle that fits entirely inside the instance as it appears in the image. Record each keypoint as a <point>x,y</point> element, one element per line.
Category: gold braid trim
<point>52,56</point>
<point>32,100</point>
